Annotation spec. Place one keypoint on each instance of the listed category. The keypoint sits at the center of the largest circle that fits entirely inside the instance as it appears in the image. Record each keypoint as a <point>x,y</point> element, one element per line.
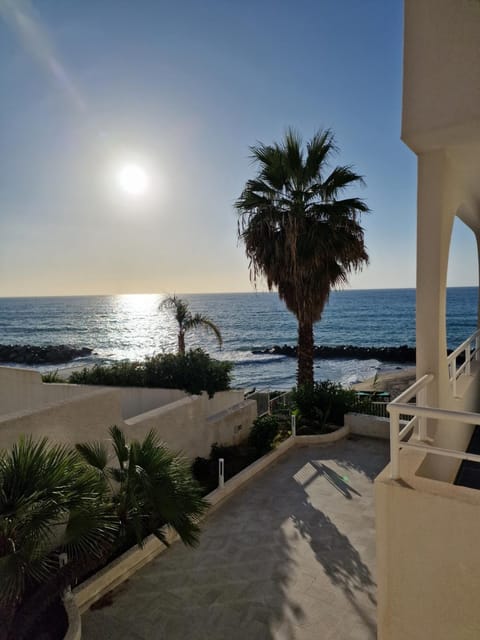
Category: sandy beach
<point>393,382</point>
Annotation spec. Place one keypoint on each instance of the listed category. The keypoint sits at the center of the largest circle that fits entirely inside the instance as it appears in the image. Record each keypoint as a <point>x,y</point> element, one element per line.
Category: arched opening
<point>462,285</point>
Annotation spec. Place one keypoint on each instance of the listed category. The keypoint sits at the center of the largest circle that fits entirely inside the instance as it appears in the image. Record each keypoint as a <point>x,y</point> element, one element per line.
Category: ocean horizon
<point>129,326</point>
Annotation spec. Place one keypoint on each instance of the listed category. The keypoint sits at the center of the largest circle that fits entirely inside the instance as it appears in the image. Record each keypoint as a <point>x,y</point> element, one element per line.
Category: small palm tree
<point>300,231</point>
<point>151,487</point>
<point>50,502</point>
<point>187,321</point>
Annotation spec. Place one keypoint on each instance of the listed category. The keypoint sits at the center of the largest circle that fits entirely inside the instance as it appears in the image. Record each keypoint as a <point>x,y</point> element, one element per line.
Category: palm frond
<point>199,320</point>
<point>94,453</point>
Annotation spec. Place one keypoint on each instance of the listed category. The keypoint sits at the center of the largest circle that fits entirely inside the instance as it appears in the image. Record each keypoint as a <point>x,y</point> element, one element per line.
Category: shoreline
<point>394,382</point>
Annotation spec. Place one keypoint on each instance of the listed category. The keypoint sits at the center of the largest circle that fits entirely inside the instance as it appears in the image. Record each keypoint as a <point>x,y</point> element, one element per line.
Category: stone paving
<point>290,557</point>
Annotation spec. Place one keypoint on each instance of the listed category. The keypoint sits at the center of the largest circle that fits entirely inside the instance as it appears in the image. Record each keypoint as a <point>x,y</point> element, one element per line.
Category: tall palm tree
<point>187,321</point>
<point>50,502</point>
<point>151,487</point>
<point>300,230</point>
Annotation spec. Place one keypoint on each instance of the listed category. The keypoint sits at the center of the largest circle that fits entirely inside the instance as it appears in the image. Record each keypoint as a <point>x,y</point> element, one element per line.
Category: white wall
<point>136,400</point>
<point>361,424</point>
<point>76,420</point>
<point>77,413</point>
<point>22,389</point>
<point>428,565</point>
<point>441,83</point>
<point>185,425</point>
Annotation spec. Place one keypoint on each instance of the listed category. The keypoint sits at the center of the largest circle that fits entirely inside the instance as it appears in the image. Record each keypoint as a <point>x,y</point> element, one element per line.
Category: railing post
<point>477,347</point>
<point>454,377</point>
<point>269,410</point>
<point>62,562</point>
<point>394,443</point>
<point>294,425</point>
<point>221,473</point>
<point>468,356</point>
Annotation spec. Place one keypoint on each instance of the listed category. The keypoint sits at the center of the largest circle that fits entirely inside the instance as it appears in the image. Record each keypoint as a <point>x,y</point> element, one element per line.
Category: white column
<point>434,228</point>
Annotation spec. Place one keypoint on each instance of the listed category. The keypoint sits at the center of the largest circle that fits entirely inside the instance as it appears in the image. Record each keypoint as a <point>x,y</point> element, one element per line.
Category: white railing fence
<point>470,349</point>
<point>281,401</point>
<point>419,415</point>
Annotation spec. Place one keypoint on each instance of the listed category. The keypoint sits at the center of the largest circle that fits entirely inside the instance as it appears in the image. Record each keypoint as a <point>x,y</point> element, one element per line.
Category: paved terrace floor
<point>290,557</point>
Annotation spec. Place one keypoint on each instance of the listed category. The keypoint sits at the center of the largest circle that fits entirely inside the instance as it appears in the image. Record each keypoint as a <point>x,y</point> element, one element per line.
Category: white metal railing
<point>419,415</point>
<point>471,350</point>
<point>280,400</point>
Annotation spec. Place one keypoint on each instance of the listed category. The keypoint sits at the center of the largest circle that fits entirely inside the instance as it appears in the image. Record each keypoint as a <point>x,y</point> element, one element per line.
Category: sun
<point>133,179</point>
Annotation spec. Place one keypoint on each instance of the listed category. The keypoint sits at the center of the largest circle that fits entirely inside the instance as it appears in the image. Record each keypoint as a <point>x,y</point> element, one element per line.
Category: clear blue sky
<point>182,89</point>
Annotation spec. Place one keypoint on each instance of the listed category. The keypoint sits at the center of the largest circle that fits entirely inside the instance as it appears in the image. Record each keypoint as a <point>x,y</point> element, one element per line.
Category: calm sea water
<point>130,326</point>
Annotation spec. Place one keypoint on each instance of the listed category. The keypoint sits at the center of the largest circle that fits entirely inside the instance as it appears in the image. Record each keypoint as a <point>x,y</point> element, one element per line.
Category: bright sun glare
<point>133,179</point>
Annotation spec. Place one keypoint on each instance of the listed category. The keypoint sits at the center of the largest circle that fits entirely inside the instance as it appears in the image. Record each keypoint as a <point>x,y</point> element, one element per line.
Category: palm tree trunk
<point>305,353</point>
<point>181,343</point>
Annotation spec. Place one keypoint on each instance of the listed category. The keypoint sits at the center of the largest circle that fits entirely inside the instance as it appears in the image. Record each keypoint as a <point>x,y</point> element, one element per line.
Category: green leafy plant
<point>51,377</point>
<point>151,488</point>
<point>51,502</point>
<point>188,321</point>
<point>324,402</point>
<point>300,224</point>
<point>263,433</point>
<point>194,372</point>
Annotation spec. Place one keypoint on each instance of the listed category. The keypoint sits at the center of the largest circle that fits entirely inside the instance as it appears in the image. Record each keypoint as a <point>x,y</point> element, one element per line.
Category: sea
<point>119,327</point>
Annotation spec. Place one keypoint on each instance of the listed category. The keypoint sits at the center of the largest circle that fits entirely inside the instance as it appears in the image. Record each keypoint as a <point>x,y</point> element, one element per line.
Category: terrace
<point>290,556</point>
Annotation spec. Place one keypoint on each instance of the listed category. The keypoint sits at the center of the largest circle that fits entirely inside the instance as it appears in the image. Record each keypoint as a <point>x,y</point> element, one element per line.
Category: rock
<point>48,354</point>
<point>403,353</point>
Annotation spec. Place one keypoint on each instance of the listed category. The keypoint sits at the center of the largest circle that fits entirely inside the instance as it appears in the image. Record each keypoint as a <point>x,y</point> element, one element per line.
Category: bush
<point>263,433</point>
<point>193,372</point>
<point>51,376</point>
<point>236,458</point>
<point>119,374</point>
<point>324,402</point>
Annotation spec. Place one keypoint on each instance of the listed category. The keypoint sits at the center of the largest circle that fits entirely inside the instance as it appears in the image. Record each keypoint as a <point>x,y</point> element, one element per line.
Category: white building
<point>428,525</point>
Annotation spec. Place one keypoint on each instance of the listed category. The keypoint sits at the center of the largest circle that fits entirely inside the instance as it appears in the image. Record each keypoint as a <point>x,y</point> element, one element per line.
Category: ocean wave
<point>247,357</point>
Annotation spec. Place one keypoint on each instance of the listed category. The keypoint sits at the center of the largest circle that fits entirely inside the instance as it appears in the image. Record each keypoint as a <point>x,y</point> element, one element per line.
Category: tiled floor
<point>290,557</point>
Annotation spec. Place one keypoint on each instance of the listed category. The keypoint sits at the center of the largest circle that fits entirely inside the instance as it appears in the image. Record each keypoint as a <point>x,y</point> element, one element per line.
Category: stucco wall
<point>369,426</point>
<point>22,389</point>
<point>232,425</point>
<point>441,84</point>
<point>184,425</point>
<point>136,400</point>
<point>77,413</point>
<point>223,400</point>
<point>71,421</point>
<point>428,570</point>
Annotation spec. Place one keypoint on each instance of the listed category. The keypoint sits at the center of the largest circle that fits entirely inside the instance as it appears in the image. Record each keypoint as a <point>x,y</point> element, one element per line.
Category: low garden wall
<point>185,426</point>
<point>362,424</point>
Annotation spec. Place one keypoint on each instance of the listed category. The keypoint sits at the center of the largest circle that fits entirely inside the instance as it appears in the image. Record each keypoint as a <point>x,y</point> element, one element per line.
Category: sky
<point>182,89</point>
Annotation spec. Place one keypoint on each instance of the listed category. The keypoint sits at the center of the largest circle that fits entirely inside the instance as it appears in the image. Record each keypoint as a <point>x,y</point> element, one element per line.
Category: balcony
<point>418,433</point>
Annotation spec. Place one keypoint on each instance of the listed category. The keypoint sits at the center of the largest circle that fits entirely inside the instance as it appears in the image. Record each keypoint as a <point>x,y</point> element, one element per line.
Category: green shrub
<point>323,402</point>
<point>236,458</point>
<point>193,372</point>
<point>119,374</point>
<point>263,433</point>
<point>51,376</point>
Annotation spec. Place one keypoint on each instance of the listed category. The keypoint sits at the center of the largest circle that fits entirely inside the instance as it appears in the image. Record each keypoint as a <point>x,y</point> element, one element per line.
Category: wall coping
<point>74,631</point>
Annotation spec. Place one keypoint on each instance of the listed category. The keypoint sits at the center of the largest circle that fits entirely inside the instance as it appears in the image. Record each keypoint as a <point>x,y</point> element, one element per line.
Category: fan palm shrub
<point>300,229</point>
<point>151,487</point>
<point>51,502</point>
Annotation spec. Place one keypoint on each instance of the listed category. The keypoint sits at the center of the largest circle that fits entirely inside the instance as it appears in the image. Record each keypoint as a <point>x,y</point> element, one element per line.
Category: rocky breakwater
<point>49,354</point>
<point>400,354</point>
